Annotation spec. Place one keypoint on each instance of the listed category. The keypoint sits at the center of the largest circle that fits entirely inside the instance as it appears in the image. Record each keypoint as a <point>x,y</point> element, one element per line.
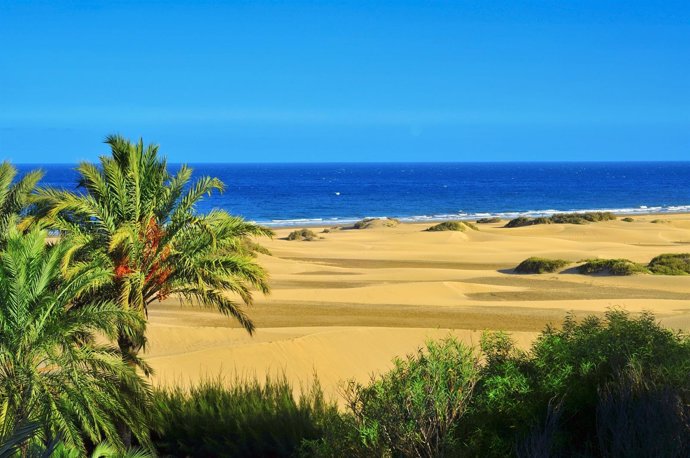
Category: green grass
<point>670,264</point>
<point>562,218</point>
<point>306,235</point>
<point>243,419</point>
<point>536,265</point>
<point>461,226</point>
<point>611,267</point>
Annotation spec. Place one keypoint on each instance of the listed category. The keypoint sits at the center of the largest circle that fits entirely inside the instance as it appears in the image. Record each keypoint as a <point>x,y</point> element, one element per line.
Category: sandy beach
<point>344,305</point>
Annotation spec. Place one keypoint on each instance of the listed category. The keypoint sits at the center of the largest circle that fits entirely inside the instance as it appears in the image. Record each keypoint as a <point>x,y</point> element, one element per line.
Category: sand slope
<point>345,305</point>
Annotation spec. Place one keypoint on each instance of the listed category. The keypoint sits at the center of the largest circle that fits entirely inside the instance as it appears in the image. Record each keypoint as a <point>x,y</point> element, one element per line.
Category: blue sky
<point>292,81</point>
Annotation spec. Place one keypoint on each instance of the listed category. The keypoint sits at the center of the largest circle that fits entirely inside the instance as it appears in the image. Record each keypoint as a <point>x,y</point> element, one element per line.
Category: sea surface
<point>321,194</point>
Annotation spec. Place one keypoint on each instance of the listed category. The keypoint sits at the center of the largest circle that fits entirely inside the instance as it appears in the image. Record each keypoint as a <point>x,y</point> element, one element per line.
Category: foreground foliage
<point>54,373</point>
<point>242,419</point>
<point>611,386</point>
<point>15,195</point>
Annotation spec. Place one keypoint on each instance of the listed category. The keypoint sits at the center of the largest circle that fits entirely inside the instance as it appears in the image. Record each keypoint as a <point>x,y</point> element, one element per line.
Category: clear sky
<point>293,81</point>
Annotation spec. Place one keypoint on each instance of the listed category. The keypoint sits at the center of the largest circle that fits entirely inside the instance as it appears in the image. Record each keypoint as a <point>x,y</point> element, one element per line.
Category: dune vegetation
<point>460,226</point>
<point>562,218</point>
<point>537,265</point>
<point>611,267</point>
<point>305,235</point>
<point>493,219</point>
<point>670,264</point>
<point>372,223</point>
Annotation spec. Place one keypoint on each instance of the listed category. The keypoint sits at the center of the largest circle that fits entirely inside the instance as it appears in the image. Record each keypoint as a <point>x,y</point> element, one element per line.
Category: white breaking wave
<point>463,216</point>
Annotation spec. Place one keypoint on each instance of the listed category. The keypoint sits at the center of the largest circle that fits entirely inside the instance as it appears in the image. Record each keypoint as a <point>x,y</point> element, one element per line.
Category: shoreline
<point>342,223</point>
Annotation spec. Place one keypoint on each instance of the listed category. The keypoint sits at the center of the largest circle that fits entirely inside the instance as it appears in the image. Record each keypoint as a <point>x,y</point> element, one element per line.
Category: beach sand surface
<point>344,305</point>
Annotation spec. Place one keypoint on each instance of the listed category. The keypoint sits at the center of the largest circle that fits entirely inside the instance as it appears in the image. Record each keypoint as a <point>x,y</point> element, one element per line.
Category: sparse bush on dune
<point>494,219</point>
<point>461,226</point>
<point>562,218</point>
<point>306,235</point>
<point>370,223</point>
<point>670,264</point>
<point>536,265</point>
<point>611,267</point>
<point>582,218</point>
<point>522,221</point>
<point>659,221</point>
<point>627,219</point>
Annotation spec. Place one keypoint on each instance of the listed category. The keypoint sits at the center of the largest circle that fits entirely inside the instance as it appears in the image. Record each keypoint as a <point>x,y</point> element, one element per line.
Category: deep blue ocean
<point>311,194</point>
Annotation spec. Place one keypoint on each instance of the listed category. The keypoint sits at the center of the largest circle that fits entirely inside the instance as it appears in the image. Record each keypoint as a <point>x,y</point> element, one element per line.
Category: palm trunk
<point>127,348</point>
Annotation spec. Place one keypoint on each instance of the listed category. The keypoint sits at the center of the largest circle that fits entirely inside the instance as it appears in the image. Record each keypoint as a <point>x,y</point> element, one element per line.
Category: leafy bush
<point>670,264</point>
<point>493,219</point>
<point>577,375</point>
<point>306,235</point>
<point>245,419</point>
<point>414,409</point>
<point>540,265</point>
<point>453,226</point>
<point>611,267</point>
<point>368,223</point>
<point>627,219</point>
<point>562,218</point>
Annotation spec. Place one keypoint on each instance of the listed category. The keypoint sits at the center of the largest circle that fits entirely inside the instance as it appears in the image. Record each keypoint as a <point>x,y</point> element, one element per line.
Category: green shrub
<point>414,409</point>
<point>660,221</point>
<point>582,218</point>
<point>628,219</point>
<point>245,419</point>
<point>562,218</point>
<point>453,226</point>
<point>448,226</point>
<point>574,377</point>
<point>306,235</point>
<point>670,264</point>
<point>368,223</point>
<point>493,219</point>
<point>523,221</point>
<point>611,267</point>
<point>540,265</point>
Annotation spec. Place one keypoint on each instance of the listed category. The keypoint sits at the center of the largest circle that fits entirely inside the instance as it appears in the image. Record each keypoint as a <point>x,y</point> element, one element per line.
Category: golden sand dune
<point>344,305</point>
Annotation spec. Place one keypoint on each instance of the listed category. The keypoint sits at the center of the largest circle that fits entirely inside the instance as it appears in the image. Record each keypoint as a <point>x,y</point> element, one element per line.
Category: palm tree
<point>140,221</point>
<point>15,195</point>
<point>53,370</point>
